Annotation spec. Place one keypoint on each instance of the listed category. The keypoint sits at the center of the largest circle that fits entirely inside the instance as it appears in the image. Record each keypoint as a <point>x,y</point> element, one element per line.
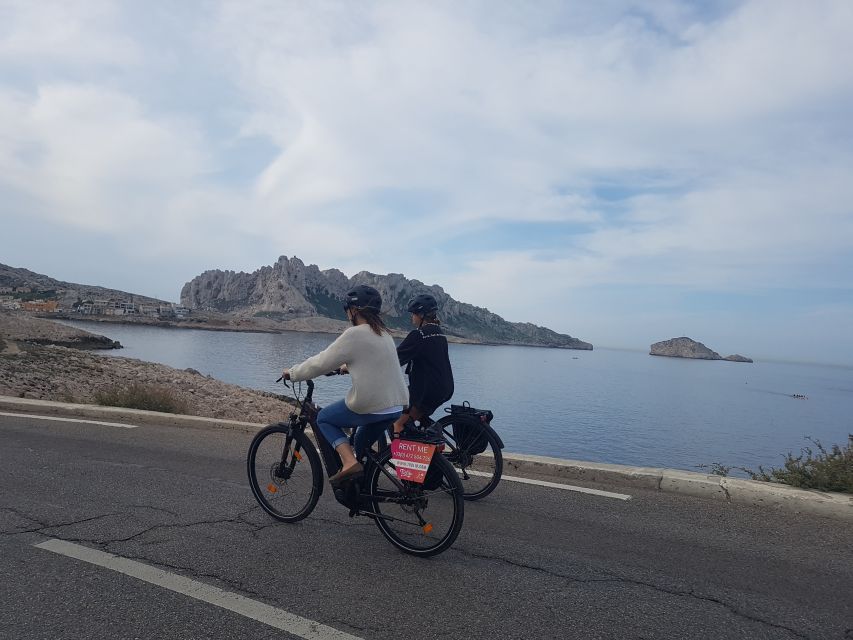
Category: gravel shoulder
<point>35,363</point>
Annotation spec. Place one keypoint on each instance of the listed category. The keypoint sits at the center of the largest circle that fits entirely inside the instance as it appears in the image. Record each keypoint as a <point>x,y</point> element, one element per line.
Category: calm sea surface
<point>605,405</point>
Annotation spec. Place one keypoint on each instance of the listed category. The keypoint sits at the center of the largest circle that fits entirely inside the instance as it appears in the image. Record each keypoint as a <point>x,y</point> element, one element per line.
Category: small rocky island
<point>687,348</point>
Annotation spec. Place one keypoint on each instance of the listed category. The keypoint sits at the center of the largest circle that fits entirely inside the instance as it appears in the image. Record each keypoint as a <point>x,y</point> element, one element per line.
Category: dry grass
<point>142,396</point>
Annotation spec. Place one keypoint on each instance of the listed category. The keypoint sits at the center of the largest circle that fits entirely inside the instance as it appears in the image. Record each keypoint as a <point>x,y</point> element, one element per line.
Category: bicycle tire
<point>389,503</point>
<point>271,485</point>
<point>480,472</point>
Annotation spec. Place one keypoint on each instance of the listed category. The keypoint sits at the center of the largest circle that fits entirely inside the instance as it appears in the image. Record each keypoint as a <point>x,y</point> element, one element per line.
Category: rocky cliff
<point>687,348</point>
<point>290,290</point>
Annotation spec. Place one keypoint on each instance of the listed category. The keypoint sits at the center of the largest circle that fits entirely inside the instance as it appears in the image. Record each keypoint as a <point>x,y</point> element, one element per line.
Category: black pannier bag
<point>467,432</point>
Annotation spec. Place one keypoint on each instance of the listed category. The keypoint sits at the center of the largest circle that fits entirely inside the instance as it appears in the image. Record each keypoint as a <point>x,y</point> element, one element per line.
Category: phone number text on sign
<point>411,459</point>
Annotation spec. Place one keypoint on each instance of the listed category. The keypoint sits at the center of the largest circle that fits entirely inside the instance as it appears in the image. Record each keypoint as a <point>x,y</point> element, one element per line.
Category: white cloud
<point>410,96</point>
<point>64,33</point>
<point>93,157</point>
<point>723,133</point>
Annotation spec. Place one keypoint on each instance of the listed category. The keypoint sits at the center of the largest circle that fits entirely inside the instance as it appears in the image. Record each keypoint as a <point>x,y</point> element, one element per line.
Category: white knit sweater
<point>377,380</point>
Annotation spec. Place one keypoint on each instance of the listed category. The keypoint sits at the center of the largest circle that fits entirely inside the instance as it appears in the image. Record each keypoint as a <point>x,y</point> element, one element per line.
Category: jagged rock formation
<point>687,348</point>
<point>683,348</point>
<point>290,290</point>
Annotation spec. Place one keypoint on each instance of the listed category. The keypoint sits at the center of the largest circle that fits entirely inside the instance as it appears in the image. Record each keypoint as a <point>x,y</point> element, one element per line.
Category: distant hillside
<point>67,293</point>
<point>290,290</point>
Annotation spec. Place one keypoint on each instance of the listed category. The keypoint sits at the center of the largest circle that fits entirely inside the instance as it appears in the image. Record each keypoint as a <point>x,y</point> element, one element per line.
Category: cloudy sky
<point>625,172</point>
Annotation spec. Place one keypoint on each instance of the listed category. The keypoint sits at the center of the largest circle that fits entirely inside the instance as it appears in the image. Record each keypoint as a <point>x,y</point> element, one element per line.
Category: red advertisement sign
<point>411,459</point>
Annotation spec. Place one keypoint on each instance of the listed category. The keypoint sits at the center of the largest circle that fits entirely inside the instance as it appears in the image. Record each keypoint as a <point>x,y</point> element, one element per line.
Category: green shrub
<point>827,470</point>
<point>819,468</point>
<point>142,396</point>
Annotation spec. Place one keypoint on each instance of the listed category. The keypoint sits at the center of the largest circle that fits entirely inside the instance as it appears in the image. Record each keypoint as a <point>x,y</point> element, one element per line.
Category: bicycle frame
<point>353,495</point>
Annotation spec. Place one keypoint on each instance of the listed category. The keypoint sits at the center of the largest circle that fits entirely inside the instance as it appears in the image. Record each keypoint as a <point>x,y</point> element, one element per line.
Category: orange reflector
<point>297,455</point>
<point>272,488</point>
<point>427,527</point>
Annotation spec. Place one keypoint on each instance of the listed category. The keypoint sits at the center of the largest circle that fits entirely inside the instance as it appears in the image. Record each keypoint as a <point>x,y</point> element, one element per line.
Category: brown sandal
<point>347,473</point>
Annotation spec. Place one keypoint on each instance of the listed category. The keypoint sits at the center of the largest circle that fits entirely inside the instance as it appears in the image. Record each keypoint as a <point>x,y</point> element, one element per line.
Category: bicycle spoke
<point>284,474</point>
<point>418,518</point>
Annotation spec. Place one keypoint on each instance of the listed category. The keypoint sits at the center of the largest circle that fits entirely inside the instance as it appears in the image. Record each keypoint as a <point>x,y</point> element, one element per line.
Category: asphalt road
<point>531,562</point>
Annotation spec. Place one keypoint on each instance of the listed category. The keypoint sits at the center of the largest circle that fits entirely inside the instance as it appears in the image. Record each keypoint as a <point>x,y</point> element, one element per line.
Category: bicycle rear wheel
<point>284,472</point>
<point>475,453</point>
<point>419,519</point>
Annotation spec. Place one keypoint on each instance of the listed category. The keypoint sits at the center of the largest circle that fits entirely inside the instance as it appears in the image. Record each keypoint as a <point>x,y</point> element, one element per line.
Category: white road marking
<point>540,483</point>
<point>555,485</point>
<point>276,618</point>
<point>57,419</point>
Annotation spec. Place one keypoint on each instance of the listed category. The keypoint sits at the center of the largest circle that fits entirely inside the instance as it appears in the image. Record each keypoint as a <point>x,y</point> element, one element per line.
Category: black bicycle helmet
<point>423,304</point>
<point>363,297</point>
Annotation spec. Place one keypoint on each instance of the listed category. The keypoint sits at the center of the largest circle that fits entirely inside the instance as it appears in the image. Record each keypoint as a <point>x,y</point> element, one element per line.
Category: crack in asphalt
<point>23,516</point>
<point>48,529</point>
<point>194,573</point>
<point>178,525</point>
<point>254,529</point>
<point>148,506</point>
<point>43,527</point>
<point>614,579</point>
<point>356,627</point>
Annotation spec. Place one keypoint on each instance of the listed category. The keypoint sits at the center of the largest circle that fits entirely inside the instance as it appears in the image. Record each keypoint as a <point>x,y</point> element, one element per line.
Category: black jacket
<point>424,351</point>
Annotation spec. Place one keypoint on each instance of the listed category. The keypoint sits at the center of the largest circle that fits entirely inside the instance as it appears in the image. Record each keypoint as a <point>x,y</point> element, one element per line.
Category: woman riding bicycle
<point>424,352</point>
<point>378,391</point>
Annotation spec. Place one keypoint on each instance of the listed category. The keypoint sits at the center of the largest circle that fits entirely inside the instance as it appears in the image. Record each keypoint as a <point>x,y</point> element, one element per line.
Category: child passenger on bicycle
<point>378,391</point>
<point>424,352</point>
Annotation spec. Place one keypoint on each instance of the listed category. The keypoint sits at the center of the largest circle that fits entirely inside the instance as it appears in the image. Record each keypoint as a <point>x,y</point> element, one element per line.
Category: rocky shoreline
<point>260,325</point>
<point>36,364</point>
<point>22,327</point>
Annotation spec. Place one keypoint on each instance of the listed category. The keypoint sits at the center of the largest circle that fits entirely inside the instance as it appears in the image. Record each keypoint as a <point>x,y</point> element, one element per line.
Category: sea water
<point>623,407</point>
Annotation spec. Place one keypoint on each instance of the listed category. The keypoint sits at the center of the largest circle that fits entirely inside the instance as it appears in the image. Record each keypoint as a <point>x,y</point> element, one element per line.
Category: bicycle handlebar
<point>310,383</point>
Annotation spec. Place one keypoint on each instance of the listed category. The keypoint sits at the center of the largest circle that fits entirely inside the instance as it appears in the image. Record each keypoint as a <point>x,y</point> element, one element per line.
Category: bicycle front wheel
<point>475,453</point>
<point>419,519</point>
<point>284,472</point>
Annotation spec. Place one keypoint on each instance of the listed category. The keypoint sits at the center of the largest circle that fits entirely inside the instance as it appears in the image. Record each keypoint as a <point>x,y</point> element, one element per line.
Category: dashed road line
<point>555,485</point>
<point>264,613</point>
<point>57,419</point>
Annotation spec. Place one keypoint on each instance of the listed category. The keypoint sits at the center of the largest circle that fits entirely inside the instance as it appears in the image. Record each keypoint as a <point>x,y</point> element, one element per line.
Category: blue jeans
<point>332,419</point>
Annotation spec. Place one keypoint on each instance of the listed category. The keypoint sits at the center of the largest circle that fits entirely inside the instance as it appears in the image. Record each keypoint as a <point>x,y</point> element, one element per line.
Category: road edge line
<point>688,483</point>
